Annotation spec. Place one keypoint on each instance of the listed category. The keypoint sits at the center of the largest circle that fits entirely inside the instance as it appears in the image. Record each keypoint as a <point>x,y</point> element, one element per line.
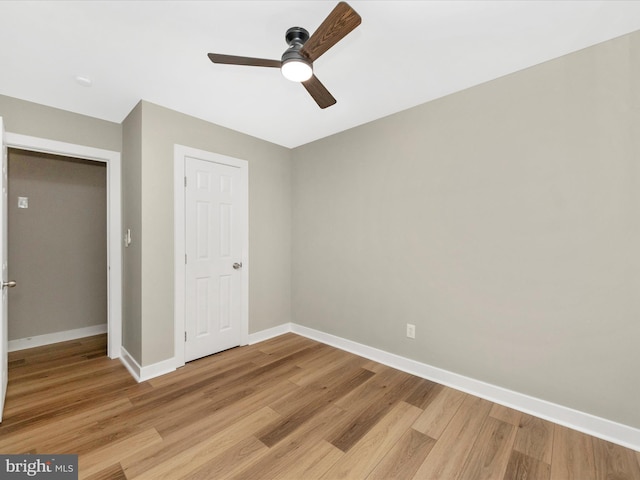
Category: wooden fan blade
<point>319,92</point>
<point>252,62</point>
<point>340,22</point>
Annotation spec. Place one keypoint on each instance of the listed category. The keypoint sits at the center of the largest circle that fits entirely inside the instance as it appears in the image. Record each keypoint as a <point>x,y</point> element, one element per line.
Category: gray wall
<point>503,221</point>
<point>132,219</point>
<point>269,223</point>
<point>29,118</point>
<point>57,246</point>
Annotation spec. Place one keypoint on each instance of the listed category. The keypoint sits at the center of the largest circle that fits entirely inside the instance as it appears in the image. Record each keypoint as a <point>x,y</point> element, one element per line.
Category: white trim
<point>114,224</point>
<point>180,152</point>
<point>157,369</point>
<point>584,422</point>
<point>56,337</point>
<point>263,335</point>
<point>142,374</point>
<point>130,363</point>
<point>179,249</point>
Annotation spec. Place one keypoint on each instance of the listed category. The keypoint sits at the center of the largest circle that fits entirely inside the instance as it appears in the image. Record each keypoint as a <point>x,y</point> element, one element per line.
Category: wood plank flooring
<point>287,408</point>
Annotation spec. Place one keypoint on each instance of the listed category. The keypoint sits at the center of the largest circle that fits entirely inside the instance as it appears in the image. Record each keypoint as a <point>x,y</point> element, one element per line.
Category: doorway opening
<point>114,228</point>
<point>57,211</point>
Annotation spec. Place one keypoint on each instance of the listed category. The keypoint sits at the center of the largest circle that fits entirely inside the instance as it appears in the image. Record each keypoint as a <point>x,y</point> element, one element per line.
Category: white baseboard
<point>142,374</point>
<point>263,335</point>
<point>130,363</point>
<point>49,338</point>
<point>596,426</point>
<point>157,369</point>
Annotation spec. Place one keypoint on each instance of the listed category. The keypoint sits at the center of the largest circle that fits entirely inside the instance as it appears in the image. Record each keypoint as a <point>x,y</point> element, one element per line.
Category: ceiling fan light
<point>296,70</point>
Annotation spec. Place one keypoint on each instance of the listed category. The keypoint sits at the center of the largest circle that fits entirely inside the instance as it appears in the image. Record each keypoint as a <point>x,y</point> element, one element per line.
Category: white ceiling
<point>403,54</point>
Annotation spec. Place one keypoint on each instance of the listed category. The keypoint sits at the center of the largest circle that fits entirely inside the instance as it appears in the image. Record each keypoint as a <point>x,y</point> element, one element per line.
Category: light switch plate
<point>23,202</point>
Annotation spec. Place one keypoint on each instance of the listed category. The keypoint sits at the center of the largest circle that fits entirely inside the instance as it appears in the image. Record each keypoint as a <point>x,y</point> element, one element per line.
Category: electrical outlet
<point>411,330</point>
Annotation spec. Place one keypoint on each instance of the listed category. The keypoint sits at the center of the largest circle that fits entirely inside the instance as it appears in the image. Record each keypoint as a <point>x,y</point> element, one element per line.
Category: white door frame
<point>114,222</point>
<point>180,153</point>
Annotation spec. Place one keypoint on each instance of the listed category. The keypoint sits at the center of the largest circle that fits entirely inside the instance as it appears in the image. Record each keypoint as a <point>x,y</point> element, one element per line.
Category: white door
<point>4,333</point>
<point>213,274</point>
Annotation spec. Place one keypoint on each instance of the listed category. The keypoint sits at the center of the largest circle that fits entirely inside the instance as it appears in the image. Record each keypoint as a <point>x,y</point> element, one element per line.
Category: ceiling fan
<point>297,61</point>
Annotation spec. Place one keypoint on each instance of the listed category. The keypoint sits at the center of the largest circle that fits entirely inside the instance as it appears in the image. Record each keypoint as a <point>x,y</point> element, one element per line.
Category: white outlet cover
<point>23,202</point>
<point>411,330</point>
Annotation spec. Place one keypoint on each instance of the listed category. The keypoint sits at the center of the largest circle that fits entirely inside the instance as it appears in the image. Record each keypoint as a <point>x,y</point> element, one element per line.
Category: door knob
<point>9,284</point>
<point>235,266</point>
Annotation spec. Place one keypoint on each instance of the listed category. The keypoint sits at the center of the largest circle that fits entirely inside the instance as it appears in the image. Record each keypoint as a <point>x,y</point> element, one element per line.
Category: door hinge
<point>185,336</point>
<point>185,258</point>
<point>185,181</point>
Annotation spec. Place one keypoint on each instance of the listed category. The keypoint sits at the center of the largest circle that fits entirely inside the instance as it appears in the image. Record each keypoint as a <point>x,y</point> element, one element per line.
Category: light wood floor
<point>287,408</point>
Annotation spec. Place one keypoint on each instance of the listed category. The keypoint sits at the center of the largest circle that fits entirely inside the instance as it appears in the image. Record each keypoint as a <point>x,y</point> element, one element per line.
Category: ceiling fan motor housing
<point>296,37</point>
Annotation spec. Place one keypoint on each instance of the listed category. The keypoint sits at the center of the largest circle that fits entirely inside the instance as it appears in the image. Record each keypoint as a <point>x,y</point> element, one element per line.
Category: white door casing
<point>4,332</point>
<point>211,235</point>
